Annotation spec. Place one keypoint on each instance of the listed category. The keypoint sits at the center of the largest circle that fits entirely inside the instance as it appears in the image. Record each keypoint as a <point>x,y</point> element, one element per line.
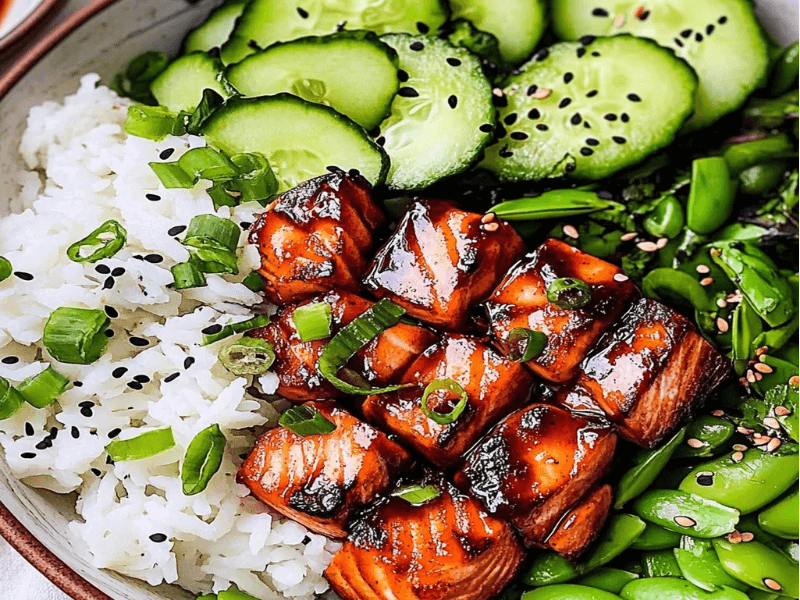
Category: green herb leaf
<point>210,102</point>
<point>305,420</point>
<point>451,385</point>
<point>202,460</point>
<point>134,82</point>
<point>254,282</point>
<point>417,495</point>
<point>104,242</point>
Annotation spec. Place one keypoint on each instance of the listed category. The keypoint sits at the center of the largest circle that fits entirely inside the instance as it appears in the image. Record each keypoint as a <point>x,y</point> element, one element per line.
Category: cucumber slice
<point>588,109</point>
<point>180,86</point>
<point>216,29</point>
<point>442,115</point>
<point>518,25</point>
<point>265,22</point>
<point>352,71</point>
<point>720,39</point>
<point>300,139</point>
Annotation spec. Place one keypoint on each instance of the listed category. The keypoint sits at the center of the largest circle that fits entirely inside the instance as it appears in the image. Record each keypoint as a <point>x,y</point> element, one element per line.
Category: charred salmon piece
<point>319,480</point>
<point>531,468</point>
<point>383,360</point>
<point>581,525</point>
<point>494,385</point>
<point>441,261</point>
<point>650,371</point>
<point>521,301</point>
<point>316,237</point>
<point>448,548</point>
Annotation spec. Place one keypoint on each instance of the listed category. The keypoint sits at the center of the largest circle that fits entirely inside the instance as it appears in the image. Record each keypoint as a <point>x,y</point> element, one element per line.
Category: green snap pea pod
<point>711,195</point>
<point>676,286</point>
<point>782,371</point>
<point>778,337</point>
<point>549,568</point>
<point>790,548</point>
<point>671,478</point>
<point>769,113</point>
<point>675,588</point>
<point>781,518</point>
<point>667,218</point>
<point>647,465</point>
<point>749,524</point>
<point>555,204</point>
<point>699,564</point>
<point>746,481</point>
<point>760,180</point>
<point>608,579</point>
<point>619,533</point>
<point>656,538</point>
<point>704,435</point>
<point>235,595</point>
<point>746,327</point>
<point>761,595</point>
<point>661,563</point>
<point>784,73</point>
<point>568,592</point>
<point>686,513</point>
<point>742,156</point>
<point>759,566</point>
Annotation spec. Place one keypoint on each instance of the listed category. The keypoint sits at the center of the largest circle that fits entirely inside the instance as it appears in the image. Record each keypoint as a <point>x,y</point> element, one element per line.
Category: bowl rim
<point>26,25</point>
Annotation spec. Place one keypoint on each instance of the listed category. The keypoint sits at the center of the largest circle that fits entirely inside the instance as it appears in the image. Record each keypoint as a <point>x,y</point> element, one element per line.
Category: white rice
<point>83,170</point>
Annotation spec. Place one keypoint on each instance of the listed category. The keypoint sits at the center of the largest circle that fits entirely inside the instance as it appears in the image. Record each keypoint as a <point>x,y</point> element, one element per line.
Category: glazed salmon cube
<point>441,261</point>
<point>382,361</point>
<point>534,465</point>
<point>320,480</point>
<point>494,385</point>
<point>317,237</point>
<point>448,548</point>
<point>650,371</point>
<point>521,301</point>
<point>581,525</point>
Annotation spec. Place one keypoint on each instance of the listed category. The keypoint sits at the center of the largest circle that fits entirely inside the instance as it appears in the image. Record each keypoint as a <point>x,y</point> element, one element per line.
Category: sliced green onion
<point>42,390</point>
<point>450,385</point>
<point>142,446</point>
<point>152,122</point>
<point>254,282</point>
<point>234,328</point>
<point>186,276</point>
<point>222,194</point>
<point>10,399</point>
<point>207,163</point>
<point>235,595</point>
<point>105,242</point>
<point>351,338</point>
<point>210,102</point>
<point>214,241</point>
<point>172,176</point>
<point>248,356</point>
<point>202,460</point>
<point>526,344</point>
<point>417,495</point>
<point>306,420</point>
<point>313,321</point>
<point>569,293</point>
<point>5,268</point>
<point>76,335</point>
<point>256,182</point>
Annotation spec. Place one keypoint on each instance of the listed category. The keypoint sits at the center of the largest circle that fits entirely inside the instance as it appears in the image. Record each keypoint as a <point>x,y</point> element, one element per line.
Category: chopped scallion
<point>222,194</point>
<point>451,385</point>
<point>234,595</point>
<point>172,176</point>
<point>313,321</point>
<point>103,242</point>
<point>526,344</point>
<point>248,356</point>
<point>186,275</point>
<point>10,399</point>
<point>234,328</point>
<point>42,390</point>
<point>305,420</point>
<point>213,240</point>
<point>202,460</point>
<point>254,282</point>
<point>256,181</point>
<point>207,163</point>
<point>210,102</point>
<point>151,122</point>
<point>417,495</point>
<point>142,446</point>
<point>5,268</point>
<point>569,293</point>
<point>76,335</point>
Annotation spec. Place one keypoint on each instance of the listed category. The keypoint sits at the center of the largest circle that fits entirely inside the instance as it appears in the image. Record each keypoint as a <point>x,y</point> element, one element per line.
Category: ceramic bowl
<point>20,18</point>
<point>101,38</point>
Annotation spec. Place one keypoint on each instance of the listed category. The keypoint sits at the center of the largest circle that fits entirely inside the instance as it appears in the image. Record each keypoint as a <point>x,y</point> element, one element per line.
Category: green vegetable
<point>686,513</point>
<point>172,176</point>
<point>755,411</point>
<point>661,563</point>
<point>417,495</point>
<point>525,344</point>
<point>76,335</point>
<point>759,566</point>
<point>202,460</point>
<point>656,538</point>
<point>671,285</point>
<point>248,356</point>
<point>5,269</point>
<point>784,73</point>
<point>142,446</point>
<point>674,588</point>
<point>781,517</point>
<point>711,195</point>
<point>210,101</point>
<point>186,276</point>
<point>743,156</point>
<point>666,219</point>
<point>234,595</point>
<point>451,385</point>
<point>213,241</point>
<point>42,390</point>
<point>760,180</point>
<point>152,122</point>
<point>647,465</point>
<point>607,579</point>
<point>305,420</point>
<point>10,399</point>
<point>313,321</point>
<point>569,293</point>
<point>568,592</point>
<point>711,432</point>
<point>103,242</point>
<point>234,328</point>
<point>621,531</point>
<point>699,564</point>
<point>206,163</point>
<point>555,204</point>
<point>254,282</point>
<point>134,81</point>
<point>746,327</point>
<point>549,568</point>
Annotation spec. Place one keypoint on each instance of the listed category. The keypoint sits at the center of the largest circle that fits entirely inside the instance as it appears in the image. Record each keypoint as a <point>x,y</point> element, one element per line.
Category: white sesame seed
<point>647,246</point>
<point>722,303</point>
<point>706,281</point>
<point>685,521</point>
<point>782,411</point>
<point>570,231</point>
<point>703,269</point>
<point>491,227</point>
<point>631,235</point>
<point>487,218</point>
<point>772,423</point>
<point>541,93</point>
<point>619,21</point>
<point>662,242</point>
<point>762,367</point>
<point>621,277</point>
<point>695,443</point>
<point>722,324</point>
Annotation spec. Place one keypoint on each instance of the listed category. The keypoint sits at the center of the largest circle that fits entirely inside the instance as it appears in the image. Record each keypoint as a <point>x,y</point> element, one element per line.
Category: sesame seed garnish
<point>794,380</point>
<point>619,21</point>
<point>570,167</point>
<point>685,521</point>
<point>138,341</point>
<point>177,230</point>
<point>102,269</point>
<point>634,97</point>
<point>153,197</point>
<point>422,27</point>
<point>171,378</point>
<point>510,118</point>
<point>28,455</point>
<point>541,93</point>
<point>534,113</point>
<point>565,102</point>
<point>698,37</point>
<point>686,33</point>
<point>706,281</point>
<point>592,142</point>
<point>782,411</point>
<point>620,277</point>
<point>695,443</point>
<point>748,536</point>
<point>44,444</point>
<point>23,275</point>
<point>576,119</point>
<point>452,101</point>
<point>111,312</point>
<point>581,52</point>
<point>591,94</point>
<point>505,152</point>
<point>619,139</point>
<point>402,75</point>
<point>109,333</point>
<point>595,54</point>
<point>722,324</point>
<point>29,430</point>
<point>487,218</point>
<point>709,29</point>
<point>600,12</point>
<point>772,584</point>
<point>624,117</point>
<point>417,46</point>
<point>587,39</point>
<point>141,378</point>
<point>610,117</point>
<point>542,127</point>
<point>773,445</point>
<point>114,433</point>
<point>212,329</point>
<point>631,235</point>
<point>86,411</point>
<point>108,283</point>
<point>407,92</point>
<point>381,141</point>
<point>541,55</point>
<point>532,90</point>
<point>245,225</point>
<point>118,272</point>
<point>486,128</point>
<point>678,43</point>
<point>302,12</point>
<point>762,367</point>
<point>570,231</point>
<point>647,246</point>
<point>10,360</point>
<point>119,372</point>
<point>453,62</point>
<point>705,478</point>
<point>135,385</point>
<point>737,457</point>
<point>165,154</point>
<point>491,227</point>
<point>519,135</point>
<point>644,15</point>
<point>158,538</point>
<point>722,20</point>
<point>75,432</point>
<point>568,77</point>
<point>586,151</point>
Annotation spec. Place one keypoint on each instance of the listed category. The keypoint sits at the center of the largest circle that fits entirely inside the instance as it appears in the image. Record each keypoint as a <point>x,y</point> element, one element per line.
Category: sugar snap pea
<point>760,180</point>
<point>647,465</point>
<point>742,156</point>
<point>551,205</point>
<point>784,73</point>
<point>704,435</point>
<point>674,588</point>
<point>660,563</point>
<point>667,218</point>
<point>568,592</point>
<point>746,327</point>
<point>754,594</point>
<point>790,548</point>
<point>672,285</point>
<point>746,481</point>
<point>608,579</point>
<point>686,513</point>
<point>549,568</point>
<point>711,195</point>
<point>699,564</point>
<point>656,538</point>
<point>781,517</point>
<point>620,532</point>
<point>759,566</point>
<point>782,372</point>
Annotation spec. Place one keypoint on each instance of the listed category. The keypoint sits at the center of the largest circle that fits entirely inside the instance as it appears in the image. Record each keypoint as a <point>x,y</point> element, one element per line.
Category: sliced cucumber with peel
<point>589,109</point>
<point>265,22</point>
<point>442,115</point>
<point>216,29</point>
<point>352,72</point>
<point>720,39</point>
<point>180,87</point>
<point>299,138</point>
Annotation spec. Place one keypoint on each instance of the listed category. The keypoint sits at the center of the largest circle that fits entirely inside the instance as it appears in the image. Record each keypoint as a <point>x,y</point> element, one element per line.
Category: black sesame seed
<point>500,132</point>
<point>171,378</point>
<point>587,151</point>
<point>354,173</point>
<point>154,258</point>
<point>595,53</point>
<point>532,90</point>
<point>591,94</point>
<point>625,118</point>
<point>542,127</point>
<point>422,27</point>
<point>29,430</point>
<point>570,167</point>
<point>334,168</point>
<point>587,39</point>
<point>77,384</point>
<point>541,55</point>
<point>592,141</point>
<point>138,257</point>
<point>534,113</point>
<point>568,77</point>
<point>53,433</point>
<point>28,455</point>
<point>245,225</point>
<point>118,272</point>
<point>135,385</point>
<point>486,128</point>
<point>610,117</point>
<point>302,12</point>
<point>581,52</point>
<point>165,154</point>
<point>138,341</point>
<point>506,153</point>
<point>705,479</point>
<point>114,433</point>
<point>510,119</point>
<point>75,432</point>
<point>407,92</point>
<point>402,75</point>
<point>453,62</point>
<point>109,333</point>
<point>158,538</point>
<point>619,139</point>
<point>96,472</point>
<point>153,197</point>
<point>722,20</point>
<point>141,378</point>
<point>119,372</point>
<point>600,12</point>
<point>417,46</point>
<point>576,119</point>
<point>698,37</point>
<point>518,135</point>
<point>709,29</point>
<point>109,460</point>
<point>678,43</point>
<point>87,412</point>
<point>587,125</point>
<point>88,403</point>
<point>10,360</point>
<point>102,269</point>
<point>634,98</point>
<point>686,33</point>
<point>381,141</point>
<point>177,230</point>
<point>44,444</point>
<point>212,329</point>
<point>108,283</point>
<point>565,102</point>
<point>499,101</point>
<point>111,312</point>
<point>452,101</point>
<point>188,362</point>
<point>23,275</point>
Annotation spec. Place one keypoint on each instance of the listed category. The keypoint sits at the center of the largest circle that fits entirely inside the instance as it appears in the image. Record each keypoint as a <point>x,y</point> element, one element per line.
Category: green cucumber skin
<point>321,42</point>
<point>180,87</point>
<point>216,29</point>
